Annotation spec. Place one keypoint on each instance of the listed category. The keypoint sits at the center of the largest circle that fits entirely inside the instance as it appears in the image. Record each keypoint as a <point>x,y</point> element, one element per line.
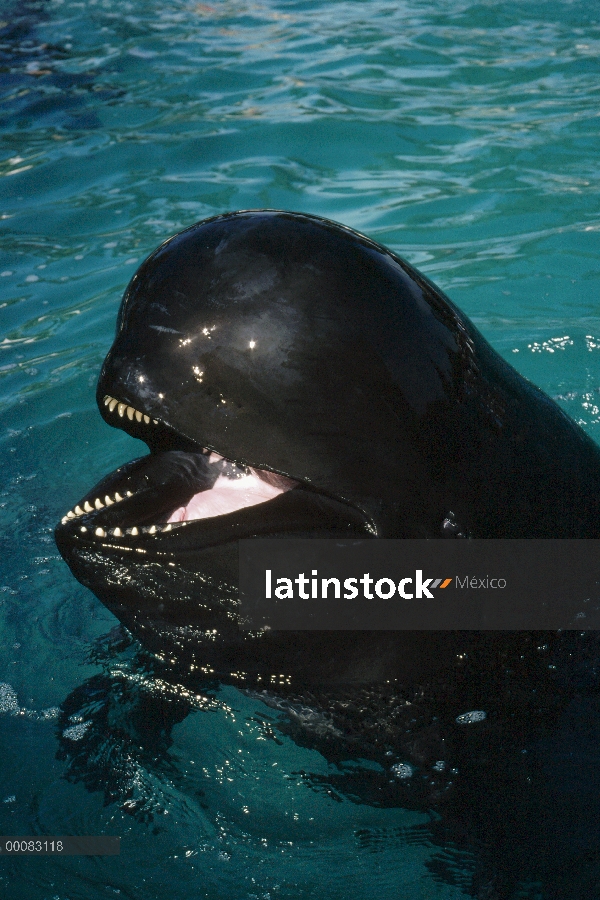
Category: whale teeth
<point>71,515</point>
<point>117,532</point>
<point>129,493</point>
<point>168,527</point>
<point>108,501</point>
<point>100,532</point>
<point>79,511</point>
<point>88,506</point>
<point>124,409</point>
<point>152,529</point>
<point>98,503</point>
<point>64,520</point>
<point>133,531</point>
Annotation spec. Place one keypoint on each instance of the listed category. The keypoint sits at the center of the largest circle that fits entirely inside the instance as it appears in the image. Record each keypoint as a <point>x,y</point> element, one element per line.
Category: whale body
<point>293,378</point>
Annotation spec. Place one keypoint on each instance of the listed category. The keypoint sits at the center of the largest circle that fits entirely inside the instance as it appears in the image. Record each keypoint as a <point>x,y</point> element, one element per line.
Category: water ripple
<point>462,133</point>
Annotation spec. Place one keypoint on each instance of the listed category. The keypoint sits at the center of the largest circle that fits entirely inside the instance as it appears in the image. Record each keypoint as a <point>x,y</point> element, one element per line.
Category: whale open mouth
<point>191,495</point>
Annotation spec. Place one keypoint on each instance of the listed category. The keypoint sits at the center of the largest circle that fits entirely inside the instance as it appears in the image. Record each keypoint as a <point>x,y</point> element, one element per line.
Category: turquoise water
<point>462,135</point>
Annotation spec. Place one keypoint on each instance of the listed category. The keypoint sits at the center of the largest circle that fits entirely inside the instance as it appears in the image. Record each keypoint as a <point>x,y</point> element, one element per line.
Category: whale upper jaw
<point>184,497</point>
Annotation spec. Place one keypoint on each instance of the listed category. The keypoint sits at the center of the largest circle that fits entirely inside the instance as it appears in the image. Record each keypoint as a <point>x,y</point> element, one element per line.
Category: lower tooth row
<point>98,504</point>
<point>134,532</point>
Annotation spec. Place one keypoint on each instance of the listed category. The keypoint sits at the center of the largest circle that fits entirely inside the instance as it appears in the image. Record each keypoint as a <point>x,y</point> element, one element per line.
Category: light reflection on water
<point>464,136</point>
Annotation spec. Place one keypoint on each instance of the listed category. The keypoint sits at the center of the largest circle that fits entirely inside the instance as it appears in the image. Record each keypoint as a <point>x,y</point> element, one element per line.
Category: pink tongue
<point>227,495</point>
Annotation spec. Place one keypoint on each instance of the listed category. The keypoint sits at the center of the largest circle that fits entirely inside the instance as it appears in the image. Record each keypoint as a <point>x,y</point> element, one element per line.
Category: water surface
<point>464,135</point>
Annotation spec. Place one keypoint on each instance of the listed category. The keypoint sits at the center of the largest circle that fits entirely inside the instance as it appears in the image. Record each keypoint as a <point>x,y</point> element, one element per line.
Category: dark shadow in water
<point>35,90</point>
<point>514,799</point>
<point>117,726</point>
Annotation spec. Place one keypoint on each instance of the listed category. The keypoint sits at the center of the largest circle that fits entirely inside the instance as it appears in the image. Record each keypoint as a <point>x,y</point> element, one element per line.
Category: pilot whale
<point>291,377</point>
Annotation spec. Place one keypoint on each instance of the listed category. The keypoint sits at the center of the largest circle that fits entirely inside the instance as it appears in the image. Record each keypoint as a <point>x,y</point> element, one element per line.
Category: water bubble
<point>403,771</point>
<point>476,715</point>
<point>76,732</point>
<point>8,698</point>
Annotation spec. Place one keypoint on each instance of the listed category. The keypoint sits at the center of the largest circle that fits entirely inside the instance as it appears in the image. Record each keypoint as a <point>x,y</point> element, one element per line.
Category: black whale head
<point>292,345</point>
<point>291,377</point>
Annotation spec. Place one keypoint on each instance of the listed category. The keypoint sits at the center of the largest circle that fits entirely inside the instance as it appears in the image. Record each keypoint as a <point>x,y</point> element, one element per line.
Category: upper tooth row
<point>123,409</point>
<point>98,504</point>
